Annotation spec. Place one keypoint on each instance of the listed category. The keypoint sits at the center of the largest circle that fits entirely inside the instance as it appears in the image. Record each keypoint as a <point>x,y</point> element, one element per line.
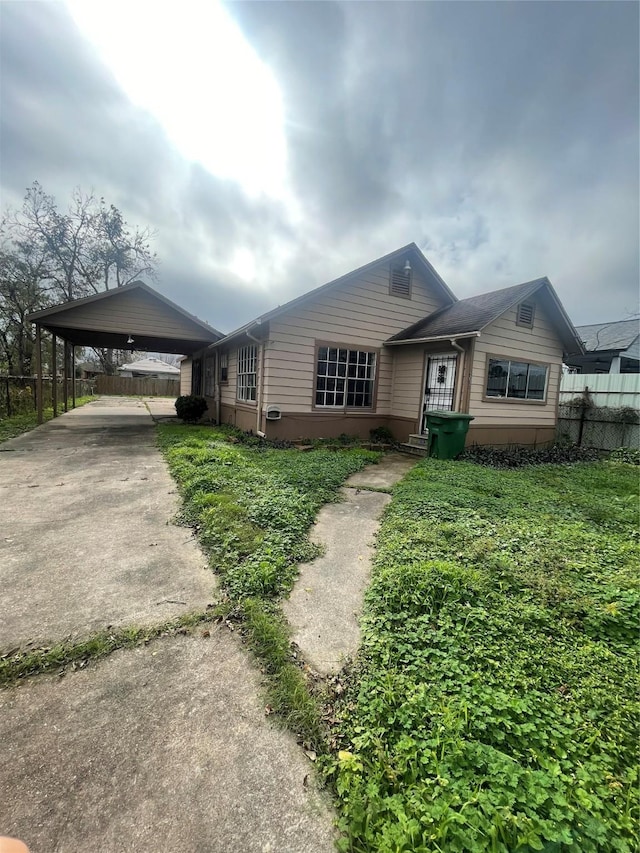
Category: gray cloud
<point>502,137</point>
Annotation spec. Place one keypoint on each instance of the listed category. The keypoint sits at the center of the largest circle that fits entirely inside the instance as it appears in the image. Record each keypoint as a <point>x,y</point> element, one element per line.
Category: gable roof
<point>410,251</point>
<point>118,291</point>
<point>470,316</point>
<point>151,365</point>
<point>101,320</point>
<point>618,335</point>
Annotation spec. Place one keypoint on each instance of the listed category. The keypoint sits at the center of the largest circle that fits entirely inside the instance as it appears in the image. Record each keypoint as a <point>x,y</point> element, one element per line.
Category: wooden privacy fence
<point>138,387</point>
<point>18,393</point>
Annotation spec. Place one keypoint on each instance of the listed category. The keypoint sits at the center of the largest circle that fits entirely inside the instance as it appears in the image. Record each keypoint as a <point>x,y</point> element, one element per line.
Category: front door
<point>439,384</point>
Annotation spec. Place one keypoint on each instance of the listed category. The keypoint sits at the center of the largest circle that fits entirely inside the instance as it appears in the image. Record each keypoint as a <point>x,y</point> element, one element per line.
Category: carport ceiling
<point>135,311</point>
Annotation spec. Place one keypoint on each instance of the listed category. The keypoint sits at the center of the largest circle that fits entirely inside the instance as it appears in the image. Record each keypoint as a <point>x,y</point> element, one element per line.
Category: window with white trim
<point>246,378</point>
<point>516,380</point>
<point>345,377</point>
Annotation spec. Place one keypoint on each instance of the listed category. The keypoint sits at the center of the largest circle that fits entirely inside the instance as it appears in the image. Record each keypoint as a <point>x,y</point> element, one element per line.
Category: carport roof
<point>135,311</point>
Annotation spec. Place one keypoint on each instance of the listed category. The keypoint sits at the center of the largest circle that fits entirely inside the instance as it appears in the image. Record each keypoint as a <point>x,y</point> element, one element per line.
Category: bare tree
<point>66,255</point>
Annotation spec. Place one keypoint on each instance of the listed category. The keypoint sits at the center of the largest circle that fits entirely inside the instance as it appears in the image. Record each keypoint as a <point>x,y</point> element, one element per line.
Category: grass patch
<point>251,506</point>
<point>494,701</point>
<point>17,424</point>
<point>77,655</point>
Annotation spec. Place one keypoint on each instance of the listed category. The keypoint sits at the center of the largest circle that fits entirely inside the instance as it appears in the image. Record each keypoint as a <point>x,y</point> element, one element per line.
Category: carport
<point>131,317</point>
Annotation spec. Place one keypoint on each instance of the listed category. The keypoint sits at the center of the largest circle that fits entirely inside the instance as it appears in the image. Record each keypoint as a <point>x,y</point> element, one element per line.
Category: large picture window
<point>516,380</point>
<point>345,377</point>
<point>246,387</point>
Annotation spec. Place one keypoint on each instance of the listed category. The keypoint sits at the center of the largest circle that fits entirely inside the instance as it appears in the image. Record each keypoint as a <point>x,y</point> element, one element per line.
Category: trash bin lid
<point>458,416</point>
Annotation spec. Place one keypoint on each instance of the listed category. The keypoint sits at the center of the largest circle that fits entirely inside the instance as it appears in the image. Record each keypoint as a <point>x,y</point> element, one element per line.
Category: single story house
<point>151,367</point>
<point>382,345</point>
<point>609,348</point>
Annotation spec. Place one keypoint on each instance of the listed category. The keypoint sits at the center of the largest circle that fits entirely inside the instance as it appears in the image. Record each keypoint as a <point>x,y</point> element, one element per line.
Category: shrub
<point>630,455</point>
<point>381,435</point>
<point>517,457</point>
<point>191,408</point>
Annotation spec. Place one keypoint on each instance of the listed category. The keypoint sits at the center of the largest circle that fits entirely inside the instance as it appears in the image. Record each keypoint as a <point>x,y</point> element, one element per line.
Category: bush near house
<point>190,408</point>
<point>493,706</point>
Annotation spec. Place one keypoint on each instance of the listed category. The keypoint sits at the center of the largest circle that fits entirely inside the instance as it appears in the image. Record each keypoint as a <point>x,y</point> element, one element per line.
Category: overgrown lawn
<point>494,703</point>
<point>251,507</point>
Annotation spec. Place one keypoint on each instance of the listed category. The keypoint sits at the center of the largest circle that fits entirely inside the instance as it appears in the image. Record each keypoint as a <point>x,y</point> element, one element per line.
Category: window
<point>224,368</point>
<point>209,376</point>
<point>516,380</point>
<point>400,282</point>
<point>524,314</point>
<point>345,377</point>
<point>246,388</point>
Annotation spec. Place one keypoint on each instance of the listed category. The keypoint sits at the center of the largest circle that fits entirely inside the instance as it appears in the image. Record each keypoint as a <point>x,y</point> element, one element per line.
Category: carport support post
<point>73,376</point>
<point>54,376</point>
<point>39,401</point>
<point>65,376</point>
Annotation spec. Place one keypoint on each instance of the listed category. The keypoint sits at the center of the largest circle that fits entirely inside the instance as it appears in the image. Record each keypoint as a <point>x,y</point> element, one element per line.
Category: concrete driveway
<point>86,539</point>
<point>154,749</point>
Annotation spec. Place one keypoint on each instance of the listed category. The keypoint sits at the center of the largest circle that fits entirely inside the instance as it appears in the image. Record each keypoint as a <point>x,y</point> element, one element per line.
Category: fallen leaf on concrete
<point>311,754</point>
<point>206,634</point>
<point>305,781</point>
<point>268,710</point>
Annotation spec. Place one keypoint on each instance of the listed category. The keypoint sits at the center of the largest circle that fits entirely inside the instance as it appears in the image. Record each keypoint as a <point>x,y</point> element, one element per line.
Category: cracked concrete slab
<point>324,606</point>
<point>86,532</point>
<point>162,747</point>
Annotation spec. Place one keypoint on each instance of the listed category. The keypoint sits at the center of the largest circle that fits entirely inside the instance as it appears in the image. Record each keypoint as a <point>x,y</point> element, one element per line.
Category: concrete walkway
<point>324,606</point>
<point>86,539</point>
<point>163,747</point>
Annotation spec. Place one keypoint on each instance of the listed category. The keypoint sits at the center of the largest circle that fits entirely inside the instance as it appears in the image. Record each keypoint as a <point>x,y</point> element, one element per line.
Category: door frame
<point>448,354</point>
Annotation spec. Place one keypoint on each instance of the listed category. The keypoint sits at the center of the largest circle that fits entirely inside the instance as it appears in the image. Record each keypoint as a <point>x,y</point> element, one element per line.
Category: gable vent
<point>524,316</point>
<point>400,282</point>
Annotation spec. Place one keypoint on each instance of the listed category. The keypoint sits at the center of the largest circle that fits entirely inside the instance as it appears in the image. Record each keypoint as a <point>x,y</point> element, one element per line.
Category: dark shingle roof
<point>468,315</point>
<point>609,336</point>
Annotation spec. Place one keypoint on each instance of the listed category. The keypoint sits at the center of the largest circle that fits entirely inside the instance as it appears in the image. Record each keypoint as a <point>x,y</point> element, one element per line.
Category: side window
<point>247,374</point>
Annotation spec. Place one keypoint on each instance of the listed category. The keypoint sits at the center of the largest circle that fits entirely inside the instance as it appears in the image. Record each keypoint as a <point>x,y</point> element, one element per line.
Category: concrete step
<point>413,449</point>
<point>419,440</point>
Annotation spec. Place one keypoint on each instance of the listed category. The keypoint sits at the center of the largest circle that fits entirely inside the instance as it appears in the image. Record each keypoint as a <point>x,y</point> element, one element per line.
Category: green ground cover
<point>493,706</point>
<point>15,425</point>
<point>251,507</point>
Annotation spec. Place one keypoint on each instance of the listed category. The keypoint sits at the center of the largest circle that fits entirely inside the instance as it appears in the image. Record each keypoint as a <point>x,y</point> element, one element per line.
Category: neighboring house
<point>382,345</point>
<point>88,370</point>
<point>609,348</point>
<point>152,368</point>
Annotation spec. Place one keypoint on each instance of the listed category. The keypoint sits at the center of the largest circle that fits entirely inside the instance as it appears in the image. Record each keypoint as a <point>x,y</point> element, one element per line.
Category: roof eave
<point>433,339</point>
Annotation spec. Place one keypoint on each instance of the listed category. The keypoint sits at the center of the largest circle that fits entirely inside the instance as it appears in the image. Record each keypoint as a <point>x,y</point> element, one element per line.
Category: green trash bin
<point>447,433</point>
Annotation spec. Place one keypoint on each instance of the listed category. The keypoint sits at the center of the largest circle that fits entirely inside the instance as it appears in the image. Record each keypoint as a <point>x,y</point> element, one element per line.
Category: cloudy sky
<point>274,146</point>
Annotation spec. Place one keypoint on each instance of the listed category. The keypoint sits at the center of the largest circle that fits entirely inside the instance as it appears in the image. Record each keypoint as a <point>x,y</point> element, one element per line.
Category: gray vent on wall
<point>273,413</point>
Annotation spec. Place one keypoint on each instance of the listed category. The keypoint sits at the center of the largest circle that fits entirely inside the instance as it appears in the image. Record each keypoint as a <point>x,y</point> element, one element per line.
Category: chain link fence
<point>18,393</point>
<point>584,424</point>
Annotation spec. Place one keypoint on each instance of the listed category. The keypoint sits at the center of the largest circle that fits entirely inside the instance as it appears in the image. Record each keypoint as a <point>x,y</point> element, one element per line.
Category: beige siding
<point>136,311</point>
<point>185,376</point>
<point>359,314</point>
<point>504,338</point>
<point>408,378</point>
<point>228,391</point>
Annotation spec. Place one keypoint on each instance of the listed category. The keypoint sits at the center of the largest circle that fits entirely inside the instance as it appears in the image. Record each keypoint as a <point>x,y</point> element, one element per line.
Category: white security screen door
<point>439,385</point>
